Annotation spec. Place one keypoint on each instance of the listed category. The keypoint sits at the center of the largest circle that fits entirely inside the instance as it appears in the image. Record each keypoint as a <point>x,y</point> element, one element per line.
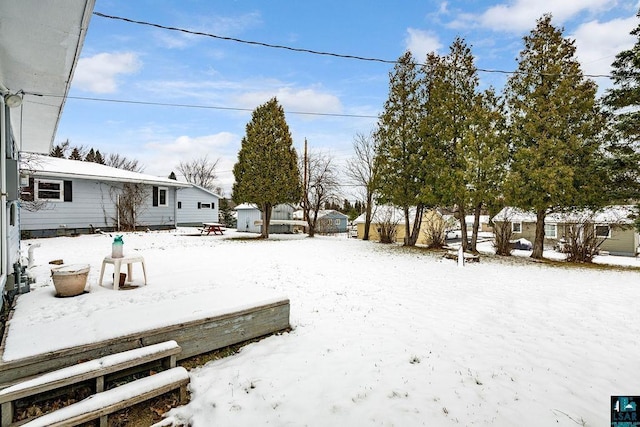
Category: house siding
<point>400,229</point>
<point>623,240</point>
<point>189,214</point>
<point>92,206</point>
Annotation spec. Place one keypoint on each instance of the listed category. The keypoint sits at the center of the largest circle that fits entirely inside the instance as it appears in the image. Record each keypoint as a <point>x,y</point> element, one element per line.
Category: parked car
<point>453,234</point>
<point>522,244</point>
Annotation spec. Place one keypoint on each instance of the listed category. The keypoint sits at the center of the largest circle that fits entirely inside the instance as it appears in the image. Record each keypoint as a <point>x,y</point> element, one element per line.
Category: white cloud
<point>188,148</point>
<point>216,25</point>
<point>302,100</point>
<point>521,15</point>
<point>420,43</point>
<point>161,158</point>
<point>99,73</point>
<point>599,42</point>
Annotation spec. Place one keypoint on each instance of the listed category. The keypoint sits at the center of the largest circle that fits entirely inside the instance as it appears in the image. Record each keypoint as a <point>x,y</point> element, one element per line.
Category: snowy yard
<point>381,335</point>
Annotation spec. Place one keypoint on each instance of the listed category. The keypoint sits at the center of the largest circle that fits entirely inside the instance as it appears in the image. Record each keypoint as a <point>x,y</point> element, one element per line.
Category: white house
<point>61,196</point>
<point>197,205</point>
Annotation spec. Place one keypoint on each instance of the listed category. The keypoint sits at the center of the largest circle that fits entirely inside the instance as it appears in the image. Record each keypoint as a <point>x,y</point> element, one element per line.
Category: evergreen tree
<point>99,159</point>
<point>226,214</point>
<point>75,154</point>
<point>60,150</point>
<point>554,126</point>
<point>455,111</point>
<point>91,156</point>
<point>266,172</point>
<point>487,158</point>
<point>623,102</point>
<point>400,176</point>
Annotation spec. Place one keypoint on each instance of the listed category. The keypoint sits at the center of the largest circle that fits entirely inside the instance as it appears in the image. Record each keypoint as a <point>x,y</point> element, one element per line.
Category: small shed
<point>250,219</point>
<point>330,221</point>
<point>197,205</point>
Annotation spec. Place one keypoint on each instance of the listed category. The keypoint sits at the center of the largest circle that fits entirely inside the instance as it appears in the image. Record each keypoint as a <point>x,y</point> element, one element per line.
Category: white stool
<point>117,263</point>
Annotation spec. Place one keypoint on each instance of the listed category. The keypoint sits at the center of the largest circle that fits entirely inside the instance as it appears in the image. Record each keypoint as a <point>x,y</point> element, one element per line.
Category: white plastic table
<point>117,264</point>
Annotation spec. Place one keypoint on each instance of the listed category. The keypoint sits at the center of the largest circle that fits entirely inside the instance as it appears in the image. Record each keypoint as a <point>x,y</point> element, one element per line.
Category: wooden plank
<point>194,337</point>
<point>113,400</point>
<point>89,370</point>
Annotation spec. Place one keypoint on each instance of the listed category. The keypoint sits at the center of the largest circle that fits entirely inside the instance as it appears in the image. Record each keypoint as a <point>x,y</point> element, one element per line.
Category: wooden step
<point>101,404</point>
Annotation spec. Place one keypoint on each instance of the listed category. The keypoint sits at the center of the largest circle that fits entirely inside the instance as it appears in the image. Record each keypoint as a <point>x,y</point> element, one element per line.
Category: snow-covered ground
<point>382,335</point>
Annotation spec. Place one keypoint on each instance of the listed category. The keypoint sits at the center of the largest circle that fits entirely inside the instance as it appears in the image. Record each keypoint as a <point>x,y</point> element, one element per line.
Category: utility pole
<point>305,196</point>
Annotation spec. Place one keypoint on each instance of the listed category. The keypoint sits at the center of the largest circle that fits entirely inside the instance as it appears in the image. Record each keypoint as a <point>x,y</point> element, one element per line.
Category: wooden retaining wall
<point>195,337</point>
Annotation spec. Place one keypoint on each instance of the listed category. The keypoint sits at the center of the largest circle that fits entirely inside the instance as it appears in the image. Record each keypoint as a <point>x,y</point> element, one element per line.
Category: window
<point>203,205</point>
<point>551,231</point>
<point>337,221</point>
<point>516,227</point>
<point>49,190</point>
<point>160,196</point>
<point>603,231</point>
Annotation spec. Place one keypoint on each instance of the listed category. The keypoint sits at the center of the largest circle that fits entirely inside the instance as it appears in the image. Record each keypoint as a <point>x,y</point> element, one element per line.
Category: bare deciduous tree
<point>361,171</point>
<point>201,172</point>
<point>387,222</point>
<point>130,197</point>
<point>121,162</point>
<point>321,186</point>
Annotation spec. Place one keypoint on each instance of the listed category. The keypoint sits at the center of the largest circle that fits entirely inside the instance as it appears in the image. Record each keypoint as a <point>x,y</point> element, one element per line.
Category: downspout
<point>3,193</point>
<point>175,207</point>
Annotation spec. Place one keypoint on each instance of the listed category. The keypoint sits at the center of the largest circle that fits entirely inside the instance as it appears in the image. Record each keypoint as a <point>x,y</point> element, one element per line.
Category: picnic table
<point>212,227</point>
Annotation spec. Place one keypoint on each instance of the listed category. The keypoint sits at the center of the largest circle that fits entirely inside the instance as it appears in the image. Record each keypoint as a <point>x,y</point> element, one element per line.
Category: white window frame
<point>553,235</point>
<point>337,221</point>
<point>36,189</point>
<point>519,227</point>
<point>166,196</point>
<point>595,228</point>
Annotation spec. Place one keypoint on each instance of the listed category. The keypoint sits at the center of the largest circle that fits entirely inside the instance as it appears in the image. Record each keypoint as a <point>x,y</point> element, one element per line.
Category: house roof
<point>620,214</point>
<point>39,165</point>
<point>207,191</point>
<point>299,214</point>
<point>41,44</point>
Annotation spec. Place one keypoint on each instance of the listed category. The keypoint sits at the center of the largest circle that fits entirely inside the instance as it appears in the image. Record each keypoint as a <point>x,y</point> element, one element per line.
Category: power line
<point>210,107</point>
<point>297,49</point>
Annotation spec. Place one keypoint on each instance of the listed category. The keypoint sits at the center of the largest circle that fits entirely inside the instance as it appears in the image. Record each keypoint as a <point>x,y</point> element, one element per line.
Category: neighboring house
<point>41,44</point>
<point>614,225</point>
<point>329,221</point>
<point>393,215</point>
<point>250,219</point>
<point>62,196</point>
<point>197,205</point>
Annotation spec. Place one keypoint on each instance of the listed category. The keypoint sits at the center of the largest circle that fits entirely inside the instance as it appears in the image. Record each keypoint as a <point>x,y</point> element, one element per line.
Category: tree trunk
<point>538,244</point>
<point>367,217</point>
<point>407,227</point>
<point>476,227</point>
<point>415,230</point>
<point>266,220</point>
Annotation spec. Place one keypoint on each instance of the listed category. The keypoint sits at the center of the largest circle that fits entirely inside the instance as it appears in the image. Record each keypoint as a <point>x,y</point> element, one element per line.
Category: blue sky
<point>122,61</point>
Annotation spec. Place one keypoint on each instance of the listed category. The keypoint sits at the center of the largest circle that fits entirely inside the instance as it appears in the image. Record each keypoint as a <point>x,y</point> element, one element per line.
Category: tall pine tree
<point>398,161</point>
<point>266,172</point>
<point>555,124</point>
<point>623,102</point>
